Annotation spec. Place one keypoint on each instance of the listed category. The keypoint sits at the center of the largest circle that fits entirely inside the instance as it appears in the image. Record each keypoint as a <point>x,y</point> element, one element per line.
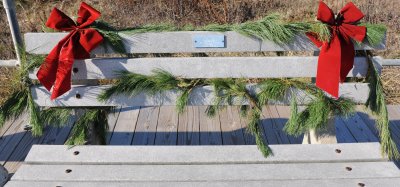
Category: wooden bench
<point>292,165</point>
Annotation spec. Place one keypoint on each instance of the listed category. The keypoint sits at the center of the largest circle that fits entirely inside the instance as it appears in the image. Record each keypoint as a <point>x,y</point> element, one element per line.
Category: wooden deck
<point>163,126</point>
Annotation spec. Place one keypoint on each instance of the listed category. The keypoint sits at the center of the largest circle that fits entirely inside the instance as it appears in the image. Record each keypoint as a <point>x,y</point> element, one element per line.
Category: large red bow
<point>56,69</point>
<point>336,57</point>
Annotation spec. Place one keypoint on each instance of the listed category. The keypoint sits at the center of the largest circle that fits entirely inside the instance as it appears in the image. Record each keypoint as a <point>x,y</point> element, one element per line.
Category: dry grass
<point>127,13</point>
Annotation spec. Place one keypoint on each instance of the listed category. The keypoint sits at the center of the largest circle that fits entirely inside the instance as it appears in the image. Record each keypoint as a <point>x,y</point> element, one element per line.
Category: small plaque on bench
<point>209,41</point>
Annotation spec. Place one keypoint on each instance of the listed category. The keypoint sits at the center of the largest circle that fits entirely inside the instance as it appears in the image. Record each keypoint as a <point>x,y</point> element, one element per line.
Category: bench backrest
<point>189,67</point>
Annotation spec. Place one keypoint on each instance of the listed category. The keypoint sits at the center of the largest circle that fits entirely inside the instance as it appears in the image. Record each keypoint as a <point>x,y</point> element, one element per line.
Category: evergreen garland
<point>92,120</point>
<point>271,27</point>
<point>229,91</point>
<point>21,99</point>
<point>376,103</point>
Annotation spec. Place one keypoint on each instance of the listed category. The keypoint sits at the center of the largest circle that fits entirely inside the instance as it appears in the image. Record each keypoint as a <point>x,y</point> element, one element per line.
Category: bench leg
<point>322,136</point>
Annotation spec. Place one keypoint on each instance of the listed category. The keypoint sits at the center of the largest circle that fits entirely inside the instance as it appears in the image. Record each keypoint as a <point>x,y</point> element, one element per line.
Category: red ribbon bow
<point>336,57</point>
<point>56,69</point>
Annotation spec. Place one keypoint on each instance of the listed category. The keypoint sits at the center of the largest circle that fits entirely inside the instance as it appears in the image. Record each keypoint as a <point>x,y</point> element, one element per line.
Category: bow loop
<point>325,14</point>
<point>351,14</point>
<point>59,21</point>
<point>86,15</point>
<point>356,32</point>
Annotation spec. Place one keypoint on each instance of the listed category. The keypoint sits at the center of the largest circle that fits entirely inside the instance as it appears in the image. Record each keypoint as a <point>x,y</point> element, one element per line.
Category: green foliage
<point>271,28</point>
<point>376,103</point>
<point>375,33</point>
<point>110,35</point>
<point>322,30</point>
<point>255,128</point>
<point>182,101</point>
<point>272,89</point>
<point>151,28</point>
<point>57,117</point>
<point>14,106</point>
<point>317,112</point>
<point>35,121</point>
<point>132,84</point>
<point>96,117</point>
<point>226,91</point>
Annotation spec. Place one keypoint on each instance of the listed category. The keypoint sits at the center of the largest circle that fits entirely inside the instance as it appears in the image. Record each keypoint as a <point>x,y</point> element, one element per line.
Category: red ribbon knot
<point>336,57</point>
<point>56,70</point>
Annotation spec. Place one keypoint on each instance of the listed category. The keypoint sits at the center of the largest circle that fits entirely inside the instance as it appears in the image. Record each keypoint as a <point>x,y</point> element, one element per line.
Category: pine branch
<point>14,106</point>
<point>35,120</point>
<point>376,103</point>
<point>317,112</point>
<point>96,117</point>
<point>132,84</point>
<point>322,30</point>
<point>375,33</point>
<point>56,117</point>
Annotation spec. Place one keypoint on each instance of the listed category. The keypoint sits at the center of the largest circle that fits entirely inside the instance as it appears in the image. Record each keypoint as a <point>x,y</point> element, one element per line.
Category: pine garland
<point>376,103</point>
<point>271,28</point>
<point>92,120</point>
<point>21,99</point>
<point>230,91</point>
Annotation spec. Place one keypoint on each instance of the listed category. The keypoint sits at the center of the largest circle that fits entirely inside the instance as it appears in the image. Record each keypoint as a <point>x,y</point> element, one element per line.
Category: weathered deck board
<point>189,127</point>
<point>145,132</point>
<point>210,128</point>
<point>232,132</point>
<point>112,121</point>
<point>167,126</point>
<point>193,128</point>
<point>125,126</point>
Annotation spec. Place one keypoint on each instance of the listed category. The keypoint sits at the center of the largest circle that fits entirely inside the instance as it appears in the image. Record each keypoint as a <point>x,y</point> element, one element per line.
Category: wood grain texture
<point>179,42</point>
<point>212,172</point>
<point>231,128</point>
<point>125,126</point>
<point>210,128</point>
<point>189,127</point>
<point>199,96</point>
<point>207,154</point>
<point>146,126</point>
<point>167,126</point>
<point>387,182</point>
<point>207,67</point>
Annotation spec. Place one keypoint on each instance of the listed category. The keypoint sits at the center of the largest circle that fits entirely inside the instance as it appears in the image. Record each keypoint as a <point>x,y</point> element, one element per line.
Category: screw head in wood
<point>68,171</point>
<point>76,152</point>
<point>78,96</point>
<point>360,184</point>
<point>75,70</point>
<point>338,150</point>
<point>349,168</point>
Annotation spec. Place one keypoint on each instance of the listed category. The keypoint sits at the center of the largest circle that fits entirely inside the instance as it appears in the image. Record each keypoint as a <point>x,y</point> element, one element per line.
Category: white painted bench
<point>292,165</point>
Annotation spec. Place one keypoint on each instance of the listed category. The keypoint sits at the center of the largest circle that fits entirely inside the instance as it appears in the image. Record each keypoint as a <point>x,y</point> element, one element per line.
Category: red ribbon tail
<point>329,65</point>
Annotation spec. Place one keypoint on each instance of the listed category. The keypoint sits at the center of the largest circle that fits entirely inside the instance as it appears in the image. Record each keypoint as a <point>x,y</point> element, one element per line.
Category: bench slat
<point>387,182</point>
<point>179,42</point>
<point>199,96</point>
<point>127,155</point>
<point>212,172</point>
<point>208,67</point>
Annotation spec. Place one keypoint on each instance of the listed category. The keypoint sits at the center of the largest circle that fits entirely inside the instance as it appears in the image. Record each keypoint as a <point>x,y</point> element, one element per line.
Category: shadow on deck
<point>163,126</point>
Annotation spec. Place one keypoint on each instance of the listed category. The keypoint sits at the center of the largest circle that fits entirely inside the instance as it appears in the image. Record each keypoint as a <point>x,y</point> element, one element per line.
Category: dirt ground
<point>32,15</point>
